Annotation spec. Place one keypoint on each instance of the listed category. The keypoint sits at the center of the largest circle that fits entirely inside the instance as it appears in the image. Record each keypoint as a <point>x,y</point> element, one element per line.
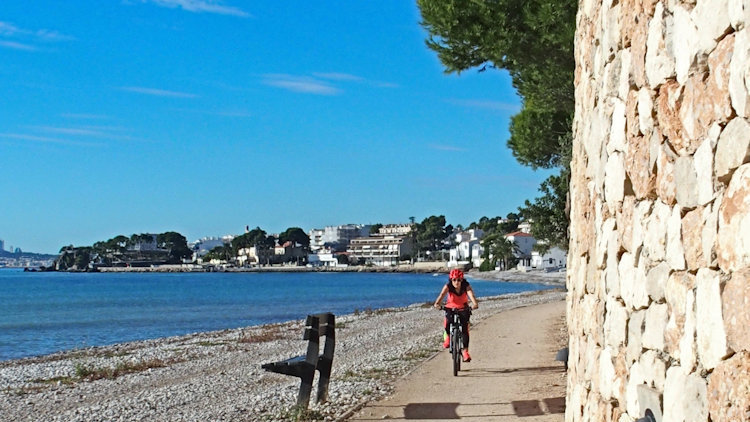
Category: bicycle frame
<point>455,331</point>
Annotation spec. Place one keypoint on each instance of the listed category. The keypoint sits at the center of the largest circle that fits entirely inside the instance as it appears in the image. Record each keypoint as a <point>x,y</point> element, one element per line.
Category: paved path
<point>513,375</point>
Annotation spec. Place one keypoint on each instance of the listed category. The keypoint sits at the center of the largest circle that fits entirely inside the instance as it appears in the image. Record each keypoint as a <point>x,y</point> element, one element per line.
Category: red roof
<point>518,234</point>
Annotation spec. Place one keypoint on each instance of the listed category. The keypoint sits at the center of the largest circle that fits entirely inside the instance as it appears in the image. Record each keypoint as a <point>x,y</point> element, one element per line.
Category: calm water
<point>41,313</point>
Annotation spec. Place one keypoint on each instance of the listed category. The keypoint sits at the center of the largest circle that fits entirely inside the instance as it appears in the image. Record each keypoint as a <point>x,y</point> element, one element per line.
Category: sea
<point>47,312</point>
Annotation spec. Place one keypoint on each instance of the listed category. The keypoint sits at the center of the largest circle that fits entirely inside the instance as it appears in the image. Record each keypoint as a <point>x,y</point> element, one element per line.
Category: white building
<point>468,248</point>
<point>337,237</point>
<point>525,244</point>
<point>202,246</point>
<point>555,258</point>
<point>382,251</point>
<point>324,258</point>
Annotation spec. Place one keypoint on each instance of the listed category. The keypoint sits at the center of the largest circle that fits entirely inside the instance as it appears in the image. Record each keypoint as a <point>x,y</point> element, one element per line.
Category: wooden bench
<point>304,366</point>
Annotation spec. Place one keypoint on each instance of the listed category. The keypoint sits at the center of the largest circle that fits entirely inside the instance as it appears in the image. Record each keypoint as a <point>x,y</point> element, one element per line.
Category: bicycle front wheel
<point>456,349</point>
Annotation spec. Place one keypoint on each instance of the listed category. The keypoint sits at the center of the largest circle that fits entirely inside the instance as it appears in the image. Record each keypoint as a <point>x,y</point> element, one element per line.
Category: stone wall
<point>659,262</point>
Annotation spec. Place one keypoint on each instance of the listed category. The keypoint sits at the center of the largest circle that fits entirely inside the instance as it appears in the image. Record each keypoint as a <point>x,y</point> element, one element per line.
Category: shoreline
<point>217,375</point>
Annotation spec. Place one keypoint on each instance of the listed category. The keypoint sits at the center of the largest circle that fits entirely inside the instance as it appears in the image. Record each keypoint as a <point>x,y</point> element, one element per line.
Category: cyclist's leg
<point>464,316</point>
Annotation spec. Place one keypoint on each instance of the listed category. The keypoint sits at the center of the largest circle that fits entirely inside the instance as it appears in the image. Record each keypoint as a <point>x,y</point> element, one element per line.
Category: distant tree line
<point>164,248</point>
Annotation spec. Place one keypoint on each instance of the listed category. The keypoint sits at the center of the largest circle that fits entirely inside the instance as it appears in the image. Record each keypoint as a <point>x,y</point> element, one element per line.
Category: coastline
<point>217,375</point>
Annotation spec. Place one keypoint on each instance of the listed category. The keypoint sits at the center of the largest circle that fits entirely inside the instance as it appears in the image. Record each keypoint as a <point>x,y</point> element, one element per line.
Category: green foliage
<point>486,265</point>
<point>431,233</point>
<point>534,41</point>
<point>548,214</point>
<point>255,237</point>
<point>498,248</point>
<point>222,253</point>
<point>295,235</point>
<point>175,244</point>
<point>497,224</point>
<point>375,228</point>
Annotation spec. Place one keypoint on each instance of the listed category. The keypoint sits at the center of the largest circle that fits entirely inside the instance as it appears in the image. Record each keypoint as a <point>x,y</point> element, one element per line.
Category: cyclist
<point>459,293</point>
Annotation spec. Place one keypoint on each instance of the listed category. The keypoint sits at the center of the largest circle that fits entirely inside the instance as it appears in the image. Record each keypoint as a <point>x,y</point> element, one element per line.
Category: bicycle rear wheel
<point>456,352</point>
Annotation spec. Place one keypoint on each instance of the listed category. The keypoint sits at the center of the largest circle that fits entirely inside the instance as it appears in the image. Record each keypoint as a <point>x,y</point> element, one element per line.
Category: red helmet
<point>456,273</point>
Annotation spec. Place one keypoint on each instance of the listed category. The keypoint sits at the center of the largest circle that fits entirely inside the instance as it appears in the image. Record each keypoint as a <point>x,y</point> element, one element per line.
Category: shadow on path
<point>448,411</point>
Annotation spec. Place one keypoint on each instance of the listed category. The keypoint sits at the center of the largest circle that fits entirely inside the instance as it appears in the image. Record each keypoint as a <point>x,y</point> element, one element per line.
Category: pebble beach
<point>217,376</point>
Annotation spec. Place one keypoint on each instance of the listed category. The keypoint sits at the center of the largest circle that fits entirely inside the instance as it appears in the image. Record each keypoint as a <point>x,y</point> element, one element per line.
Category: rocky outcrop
<point>659,259</point>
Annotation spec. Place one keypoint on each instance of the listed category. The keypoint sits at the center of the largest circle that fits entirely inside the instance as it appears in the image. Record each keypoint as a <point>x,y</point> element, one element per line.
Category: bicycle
<point>456,335</point>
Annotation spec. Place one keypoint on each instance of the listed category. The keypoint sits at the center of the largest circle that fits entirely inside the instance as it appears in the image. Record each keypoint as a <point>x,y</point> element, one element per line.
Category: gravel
<point>217,376</point>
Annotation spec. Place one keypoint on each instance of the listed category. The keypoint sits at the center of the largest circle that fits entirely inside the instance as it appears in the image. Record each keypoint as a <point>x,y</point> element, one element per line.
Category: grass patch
<point>266,334</point>
<point>340,325</point>
<point>301,414</point>
<point>90,373</point>
<point>207,343</point>
<point>62,380</point>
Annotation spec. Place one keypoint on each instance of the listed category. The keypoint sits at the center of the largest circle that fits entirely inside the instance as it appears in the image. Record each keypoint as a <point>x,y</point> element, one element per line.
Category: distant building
<point>554,258</point>
<point>395,229</point>
<point>381,251</point>
<point>2,245</point>
<point>525,244</point>
<point>468,248</point>
<point>336,237</point>
<point>202,246</point>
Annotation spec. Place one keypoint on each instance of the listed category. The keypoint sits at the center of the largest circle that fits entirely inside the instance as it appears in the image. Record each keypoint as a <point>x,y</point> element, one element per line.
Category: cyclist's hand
<point>437,306</point>
<point>474,305</point>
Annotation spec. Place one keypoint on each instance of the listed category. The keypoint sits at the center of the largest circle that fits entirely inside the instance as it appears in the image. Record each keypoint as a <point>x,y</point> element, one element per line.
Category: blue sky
<point>202,117</point>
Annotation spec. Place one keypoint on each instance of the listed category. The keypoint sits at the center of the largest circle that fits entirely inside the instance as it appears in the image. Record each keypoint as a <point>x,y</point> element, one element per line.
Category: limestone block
<point>710,232</point>
<point>688,356</point>
<point>675,251</point>
<point>733,245</point>
<point>704,171</point>
<point>665,175</point>
<point>611,277</point>
<point>655,240</point>
<point>686,182</point>
<point>656,323</point>
<point>633,125</point>
<point>616,141</point>
<point>656,281</point>
<point>606,373</point>
<point>635,335</point>
<point>660,60</point>
<point>668,103</point>
<point>614,183</point>
<point>729,389</point>
<point>638,166</point>
<point>736,310</point>
<point>624,218</point>
<point>679,285</point>
<point>637,378</point>
<point>717,83</point>
<point>739,13</point>
<point>739,73</point>
<point>712,21</point>
<point>654,369</point>
<point>632,283</point>
<point>645,110</point>
<point>606,234</point>
<point>710,334</point>
<point>685,397</point>
<point>615,324</point>
<point>733,148</point>
<point>620,383</point>
<point>692,232</point>
<point>685,42</point>
<point>610,22</point>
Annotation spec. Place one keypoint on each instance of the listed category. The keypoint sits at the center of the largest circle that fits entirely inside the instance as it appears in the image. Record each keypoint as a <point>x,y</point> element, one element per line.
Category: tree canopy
<point>431,233</point>
<point>295,235</point>
<point>255,237</point>
<point>534,41</point>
